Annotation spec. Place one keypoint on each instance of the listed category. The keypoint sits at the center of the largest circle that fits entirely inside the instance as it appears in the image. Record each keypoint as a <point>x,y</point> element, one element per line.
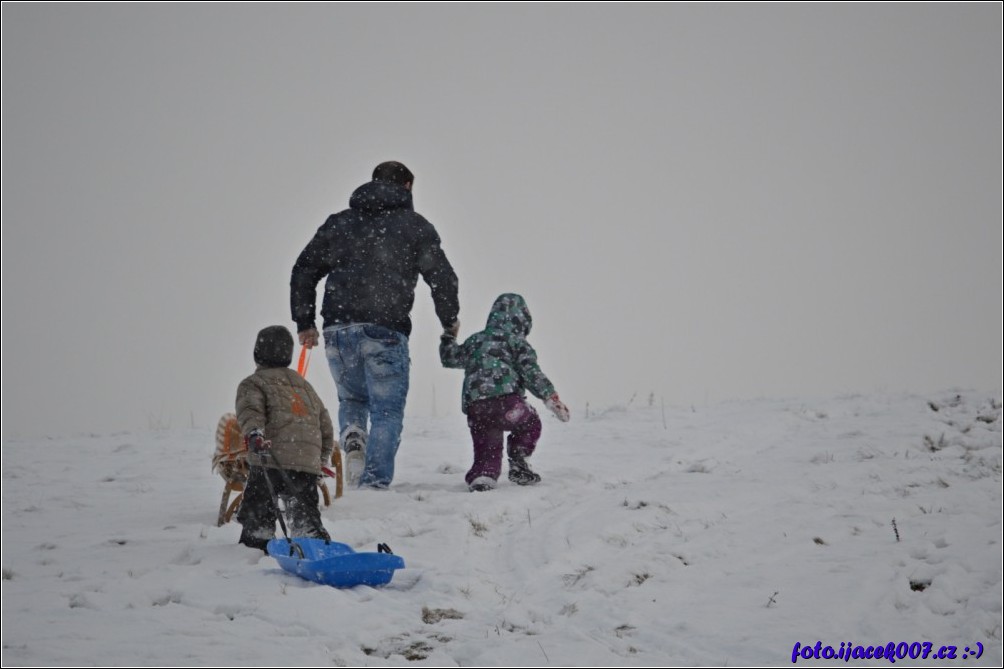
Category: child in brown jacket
<point>290,437</point>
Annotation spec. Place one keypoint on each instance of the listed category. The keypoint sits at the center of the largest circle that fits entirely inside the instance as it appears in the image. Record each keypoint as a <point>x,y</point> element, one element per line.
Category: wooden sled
<point>230,461</point>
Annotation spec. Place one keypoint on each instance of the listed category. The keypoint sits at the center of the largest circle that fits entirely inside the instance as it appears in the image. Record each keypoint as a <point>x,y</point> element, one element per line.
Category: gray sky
<point>704,202</point>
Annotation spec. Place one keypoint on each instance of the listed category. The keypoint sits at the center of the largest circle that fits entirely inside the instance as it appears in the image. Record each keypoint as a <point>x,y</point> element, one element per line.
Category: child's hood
<point>510,313</point>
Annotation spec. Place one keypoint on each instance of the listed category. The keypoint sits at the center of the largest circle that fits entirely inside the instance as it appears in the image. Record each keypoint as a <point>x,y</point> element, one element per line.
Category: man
<point>372,254</point>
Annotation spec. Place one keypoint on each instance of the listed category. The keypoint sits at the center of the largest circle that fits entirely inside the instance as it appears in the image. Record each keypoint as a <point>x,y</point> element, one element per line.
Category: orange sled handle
<point>304,362</point>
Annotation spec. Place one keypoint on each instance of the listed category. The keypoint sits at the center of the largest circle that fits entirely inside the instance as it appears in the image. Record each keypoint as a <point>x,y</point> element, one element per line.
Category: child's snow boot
<point>481,484</point>
<point>520,472</point>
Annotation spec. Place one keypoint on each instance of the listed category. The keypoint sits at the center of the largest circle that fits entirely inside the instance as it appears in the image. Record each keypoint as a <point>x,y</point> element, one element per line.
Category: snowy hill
<point>719,535</point>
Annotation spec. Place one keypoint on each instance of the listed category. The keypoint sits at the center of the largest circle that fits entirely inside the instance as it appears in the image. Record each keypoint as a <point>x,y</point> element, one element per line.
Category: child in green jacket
<point>499,367</point>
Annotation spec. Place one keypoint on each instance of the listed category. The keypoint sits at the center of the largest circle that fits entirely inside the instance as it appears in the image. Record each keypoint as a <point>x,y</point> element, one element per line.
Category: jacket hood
<point>511,314</point>
<point>379,196</point>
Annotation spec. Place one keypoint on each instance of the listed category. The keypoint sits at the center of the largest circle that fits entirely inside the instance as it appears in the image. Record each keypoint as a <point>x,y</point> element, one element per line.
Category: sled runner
<point>230,461</point>
<point>333,563</point>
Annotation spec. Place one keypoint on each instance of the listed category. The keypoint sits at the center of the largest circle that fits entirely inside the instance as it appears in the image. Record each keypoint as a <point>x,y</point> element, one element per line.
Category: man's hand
<point>453,330</point>
<point>309,338</point>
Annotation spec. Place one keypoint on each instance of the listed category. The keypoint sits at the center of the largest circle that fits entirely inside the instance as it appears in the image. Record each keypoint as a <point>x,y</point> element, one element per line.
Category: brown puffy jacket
<point>286,408</point>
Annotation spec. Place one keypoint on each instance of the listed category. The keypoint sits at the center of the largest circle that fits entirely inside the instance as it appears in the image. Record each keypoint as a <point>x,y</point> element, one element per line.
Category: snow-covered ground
<point>715,535</point>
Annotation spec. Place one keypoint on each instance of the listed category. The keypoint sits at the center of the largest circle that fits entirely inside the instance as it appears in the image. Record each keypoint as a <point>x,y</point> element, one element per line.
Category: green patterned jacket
<point>498,360</point>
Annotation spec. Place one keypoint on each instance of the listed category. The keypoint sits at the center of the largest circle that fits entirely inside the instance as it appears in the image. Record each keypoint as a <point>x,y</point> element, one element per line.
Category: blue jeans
<point>370,365</point>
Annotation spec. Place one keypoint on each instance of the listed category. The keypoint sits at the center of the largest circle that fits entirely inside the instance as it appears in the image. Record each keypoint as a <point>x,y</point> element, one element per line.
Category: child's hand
<point>256,442</point>
<point>558,408</point>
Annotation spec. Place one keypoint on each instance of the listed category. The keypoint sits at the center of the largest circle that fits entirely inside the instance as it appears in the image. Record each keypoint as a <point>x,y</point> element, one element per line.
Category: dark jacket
<point>498,360</point>
<point>373,253</point>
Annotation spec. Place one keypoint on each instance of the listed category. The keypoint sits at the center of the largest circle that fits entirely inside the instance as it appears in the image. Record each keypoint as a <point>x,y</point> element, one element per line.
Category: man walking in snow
<point>372,255</point>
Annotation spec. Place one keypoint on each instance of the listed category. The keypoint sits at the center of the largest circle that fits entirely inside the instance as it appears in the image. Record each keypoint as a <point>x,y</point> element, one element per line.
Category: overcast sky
<point>699,202</point>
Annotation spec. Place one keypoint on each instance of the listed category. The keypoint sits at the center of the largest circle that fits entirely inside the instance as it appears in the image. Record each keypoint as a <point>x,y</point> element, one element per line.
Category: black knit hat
<point>274,347</point>
<point>394,172</point>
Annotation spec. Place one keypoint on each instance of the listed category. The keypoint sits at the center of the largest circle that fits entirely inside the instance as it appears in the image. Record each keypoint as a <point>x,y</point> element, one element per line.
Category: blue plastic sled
<point>334,564</point>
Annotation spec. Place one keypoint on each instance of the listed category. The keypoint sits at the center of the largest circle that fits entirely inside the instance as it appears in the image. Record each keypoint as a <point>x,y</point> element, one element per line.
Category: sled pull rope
<point>295,549</point>
<point>304,362</point>
<point>384,548</point>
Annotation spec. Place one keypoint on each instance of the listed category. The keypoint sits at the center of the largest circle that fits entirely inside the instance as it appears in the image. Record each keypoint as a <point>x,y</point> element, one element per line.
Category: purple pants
<point>488,419</point>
